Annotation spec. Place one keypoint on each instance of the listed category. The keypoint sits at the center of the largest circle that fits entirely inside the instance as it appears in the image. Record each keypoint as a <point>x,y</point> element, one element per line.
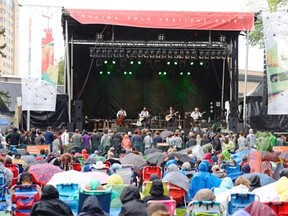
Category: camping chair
<point>170,205</point>
<point>232,169</point>
<point>147,171</point>
<point>280,208</point>
<point>178,194</point>
<point>15,171</point>
<point>204,208</point>
<point>23,199</point>
<point>126,172</point>
<point>104,197</point>
<point>148,184</point>
<point>238,201</point>
<point>66,192</point>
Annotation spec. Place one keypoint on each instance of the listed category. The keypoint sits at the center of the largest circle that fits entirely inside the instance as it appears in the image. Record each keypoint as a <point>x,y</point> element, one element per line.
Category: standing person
<point>178,140</point>
<point>65,140</point>
<point>39,140</point>
<point>121,115</point>
<point>76,141</point>
<point>170,117</point>
<point>147,141</point>
<point>144,117</point>
<point>13,138</point>
<point>49,137</point>
<point>23,139</point>
<point>33,135</point>
<point>86,142</point>
<point>157,139</point>
<point>137,141</point>
<point>105,142</point>
<point>196,116</point>
<point>242,142</point>
<point>95,140</point>
<point>251,139</point>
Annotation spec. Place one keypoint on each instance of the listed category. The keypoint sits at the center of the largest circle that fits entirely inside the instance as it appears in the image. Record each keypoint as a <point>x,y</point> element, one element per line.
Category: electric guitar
<point>170,116</point>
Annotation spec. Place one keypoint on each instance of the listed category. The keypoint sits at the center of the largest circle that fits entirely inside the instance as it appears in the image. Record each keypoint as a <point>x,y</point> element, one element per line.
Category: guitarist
<point>196,116</point>
<point>144,118</point>
<point>121,114</point>
<point>170,117</point>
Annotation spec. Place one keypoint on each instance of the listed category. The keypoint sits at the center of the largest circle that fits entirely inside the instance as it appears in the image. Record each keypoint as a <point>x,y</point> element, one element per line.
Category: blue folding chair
<point>238,201</point>
<point>66,192</point>
<point>232,169</point>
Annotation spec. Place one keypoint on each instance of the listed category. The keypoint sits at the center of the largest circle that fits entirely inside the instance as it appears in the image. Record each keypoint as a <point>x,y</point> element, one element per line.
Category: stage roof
<point>225,21</point>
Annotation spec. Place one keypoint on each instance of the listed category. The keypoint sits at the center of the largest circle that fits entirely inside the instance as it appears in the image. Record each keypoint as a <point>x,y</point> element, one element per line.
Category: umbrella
<point>42,173</point>
<point>152,150</point>
<point>137,161</point>
<point>34,163</point>
<point>155,158</point>
<point>4,122</point>
<point>178,179</point>
<point>183,157</point>
<point>284,156</point>
<point>75,177</point>
<point>264,178</point>
<point>29,159</point>
<point>165,134</point>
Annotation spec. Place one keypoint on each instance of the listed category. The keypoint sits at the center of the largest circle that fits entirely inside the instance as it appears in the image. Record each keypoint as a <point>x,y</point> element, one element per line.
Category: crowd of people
<point>209,154</point>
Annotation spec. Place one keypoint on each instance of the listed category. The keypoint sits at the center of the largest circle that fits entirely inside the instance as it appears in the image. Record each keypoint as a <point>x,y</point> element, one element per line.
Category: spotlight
<point>108,72</point>
<point>159,72</point>
<point>131,62</point>
<point>134,54</point>
<point>175,63</point>
<point>164,73</point>
<point>207,54</point>
<point>181,73</point>
<point>140,54</point>
<point>125,72</point>
<point>161,37</point>
<point>105,62</point>
<point>187,54</point>
<point>191,63</point>
<point>168,63</point>
<point>201,54</point>
<point>98,53</point>
<point>188,73</point>
<point>99,36</point>
<point>98,63</point>
<point>193,54</point>
<point>100,72</point>
<point>146,54</point>
<point>104,53</point>
<point>128,53</point>
<point>201,63</point>
<point>139,62</point>
<point>130,72</point>
<point>116,53</point>
<point>181,54</point>
<point>113,61</point>
<point>175,54</point>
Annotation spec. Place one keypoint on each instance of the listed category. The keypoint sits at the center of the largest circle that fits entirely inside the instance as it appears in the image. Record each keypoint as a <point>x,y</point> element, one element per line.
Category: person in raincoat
<point>50,204</point>
<point>156,191</point>
<point>132,205</point>
<point>92,207</point>
<point>225,185</point>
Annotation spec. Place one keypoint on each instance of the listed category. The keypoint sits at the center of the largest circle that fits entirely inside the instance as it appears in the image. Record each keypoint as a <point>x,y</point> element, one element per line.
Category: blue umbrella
<point>264,178</point>
<point>4,122</point>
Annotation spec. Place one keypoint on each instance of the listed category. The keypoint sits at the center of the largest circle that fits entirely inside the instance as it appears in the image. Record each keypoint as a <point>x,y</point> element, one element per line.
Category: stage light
<point>105,62</point>
<point>100,72</point>
<point>194,54</point>
<point>168,63</point>
<point>134,54</point>
<point>146,54</point>
<point>116,53</point>
<point>99,36</point>
<point>164,73</point>
<point>160,73</point>
<point>152,54</point>
<point>164,54</point>
<point>128,53</point>
<point>201,63</point>
<point>161,37</point>
<point>187,54</point>
<point>158,54</point>
<point>141,54</point>
<point>139,62</point>
<point>181,73</point>
<point>108,72</point>
<point>175,63</point>
<point>131,62</point>
<point>170,54</point>
<point>125,72</point>
<point>98,53</point>
<point>110,53</point>
<point>122,53</point>
<point>192,63</point>
<point>181,54</point>
<point>188,73</point>
<point>201,54</point>
<point>207,54</point>
<point>113,61</point>
<point>175,54</point>
<point>104,53</point>
<point>130,72</point>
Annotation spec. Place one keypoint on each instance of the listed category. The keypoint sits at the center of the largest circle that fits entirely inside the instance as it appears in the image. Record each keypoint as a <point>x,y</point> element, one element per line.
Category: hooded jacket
<point>132,205</point>
<point>156,191</point>
<point>92,207</point>
<point>225,185</point>
<point>50,204</point>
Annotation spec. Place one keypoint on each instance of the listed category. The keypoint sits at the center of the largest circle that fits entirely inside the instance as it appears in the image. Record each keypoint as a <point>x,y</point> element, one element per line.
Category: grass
<point>180,211</point>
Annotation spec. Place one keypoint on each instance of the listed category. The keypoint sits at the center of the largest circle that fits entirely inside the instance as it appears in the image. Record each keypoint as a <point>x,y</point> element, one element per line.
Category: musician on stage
<point>196,116</point>
<point>144,117</point>
<point>170,117</point>
<point>121,114</point>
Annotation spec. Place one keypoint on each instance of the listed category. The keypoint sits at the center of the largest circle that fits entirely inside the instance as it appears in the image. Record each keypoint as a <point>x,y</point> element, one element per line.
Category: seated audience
<point>91,207</point>
<point>157,209</point>
<point>156,192</point>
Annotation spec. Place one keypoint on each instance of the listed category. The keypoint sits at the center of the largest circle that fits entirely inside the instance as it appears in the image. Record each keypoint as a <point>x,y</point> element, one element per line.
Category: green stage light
<point>159,72</point>
<point>101,72</point>
<point>131,62</point>
<point>130,72</point>
<point>164,73</point>
<point>181,73</point>
<point>201,63</point>
<point>113,62</point>
<point>168,62</point>
<point>105,62</point>
<point>125,72</point>
<point>188,73</point>
<point>108,72</point>
<point>175,63</point>
<point>139,62</point>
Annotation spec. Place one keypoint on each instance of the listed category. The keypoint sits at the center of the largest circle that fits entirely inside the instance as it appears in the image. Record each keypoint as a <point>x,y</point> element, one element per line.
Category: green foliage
<point>61,72</point>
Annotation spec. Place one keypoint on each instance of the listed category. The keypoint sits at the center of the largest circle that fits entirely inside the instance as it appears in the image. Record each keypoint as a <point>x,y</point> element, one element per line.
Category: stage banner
<point>276,46</point>
<point>39,67</point>
<point>35,149</point>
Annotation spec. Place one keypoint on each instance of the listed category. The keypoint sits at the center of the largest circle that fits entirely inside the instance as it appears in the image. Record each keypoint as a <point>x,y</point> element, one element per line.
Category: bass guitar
<point>120,119</point>
<point>170,116</point>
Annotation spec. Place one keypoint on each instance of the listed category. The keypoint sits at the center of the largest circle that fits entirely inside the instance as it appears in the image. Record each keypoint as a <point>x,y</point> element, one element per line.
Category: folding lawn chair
<point>146,186</point>
<point>178,194</point>
<point>280,208</point>
<point>126,172</point>
<point>232,169</point>
<point>66,194</point>
<point>204,208</point>
<point>238,201</point>
<point>170,205</point>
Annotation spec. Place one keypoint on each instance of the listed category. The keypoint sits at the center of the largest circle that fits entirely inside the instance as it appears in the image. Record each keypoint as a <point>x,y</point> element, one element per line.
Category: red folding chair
<point>280,208</point>
<point>76,166</point>
<point>15,171</point>
<point>177,193</point>
<point>147,171</point>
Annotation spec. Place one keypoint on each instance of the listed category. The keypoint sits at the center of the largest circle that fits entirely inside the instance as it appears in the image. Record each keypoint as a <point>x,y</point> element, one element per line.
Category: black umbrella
<point>152,150</point>
<point>155,158</point>
<point>183,157</point>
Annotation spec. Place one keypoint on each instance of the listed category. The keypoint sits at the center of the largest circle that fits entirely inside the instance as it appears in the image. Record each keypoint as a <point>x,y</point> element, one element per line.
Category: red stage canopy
<point>225,21</point>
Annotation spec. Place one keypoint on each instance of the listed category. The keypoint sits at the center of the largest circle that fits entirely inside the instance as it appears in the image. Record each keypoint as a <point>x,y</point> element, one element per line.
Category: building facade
<point>9,20</point>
